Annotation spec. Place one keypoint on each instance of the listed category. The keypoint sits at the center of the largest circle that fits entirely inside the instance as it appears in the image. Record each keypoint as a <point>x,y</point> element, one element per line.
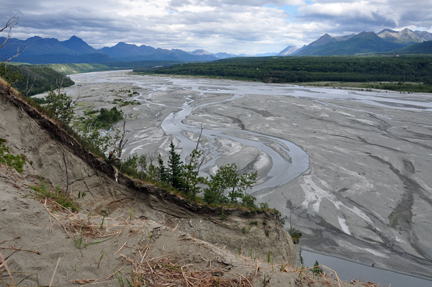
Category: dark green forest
<point>402,71</point>
<point>39,79</point>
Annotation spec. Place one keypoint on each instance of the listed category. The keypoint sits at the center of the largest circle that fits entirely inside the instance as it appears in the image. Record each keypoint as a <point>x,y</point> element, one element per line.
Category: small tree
<point>142,163</point>
<point>152,171</point>
<point>61,105</point>
<point>227,178</point>
<point>175,166</point>
<point>163,175</point>
<point>9,75</point>
<point>190,174</point>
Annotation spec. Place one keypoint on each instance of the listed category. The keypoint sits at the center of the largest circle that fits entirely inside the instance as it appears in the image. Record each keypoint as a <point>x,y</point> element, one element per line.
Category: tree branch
<point>10,25</point>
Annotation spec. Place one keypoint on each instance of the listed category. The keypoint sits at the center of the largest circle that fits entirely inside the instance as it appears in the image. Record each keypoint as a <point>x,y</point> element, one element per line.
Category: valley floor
<point>365,194</point>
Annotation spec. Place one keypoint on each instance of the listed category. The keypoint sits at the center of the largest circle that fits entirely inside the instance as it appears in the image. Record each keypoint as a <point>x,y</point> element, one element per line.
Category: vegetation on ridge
<point>391,71</point>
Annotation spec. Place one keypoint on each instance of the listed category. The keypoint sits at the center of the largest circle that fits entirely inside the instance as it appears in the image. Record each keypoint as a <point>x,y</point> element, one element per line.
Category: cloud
<point>249,26</point>
<point>373,14</point>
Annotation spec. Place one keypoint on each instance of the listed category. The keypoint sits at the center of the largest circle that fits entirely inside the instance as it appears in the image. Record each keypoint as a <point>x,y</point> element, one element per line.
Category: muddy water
<point>349,167</point>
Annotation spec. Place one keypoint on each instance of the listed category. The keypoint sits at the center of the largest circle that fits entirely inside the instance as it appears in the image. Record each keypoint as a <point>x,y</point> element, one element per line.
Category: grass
<point>12,161</point>
<point>68,69</point>
<point>104,252</point>
<point>63,200</point>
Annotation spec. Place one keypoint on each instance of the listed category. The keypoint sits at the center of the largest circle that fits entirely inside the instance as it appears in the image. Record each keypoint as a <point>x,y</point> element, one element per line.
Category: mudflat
<point>350,168</point>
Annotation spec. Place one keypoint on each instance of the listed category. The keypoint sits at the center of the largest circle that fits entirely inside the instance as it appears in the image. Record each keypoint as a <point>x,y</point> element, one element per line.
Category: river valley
<point>350,169</point>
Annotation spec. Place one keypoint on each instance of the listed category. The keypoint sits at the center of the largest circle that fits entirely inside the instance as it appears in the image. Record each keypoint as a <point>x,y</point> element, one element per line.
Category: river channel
<point>349,168</point>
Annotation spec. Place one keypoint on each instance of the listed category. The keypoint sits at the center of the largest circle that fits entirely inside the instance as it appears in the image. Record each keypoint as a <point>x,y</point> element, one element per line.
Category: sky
<point>232,26</point>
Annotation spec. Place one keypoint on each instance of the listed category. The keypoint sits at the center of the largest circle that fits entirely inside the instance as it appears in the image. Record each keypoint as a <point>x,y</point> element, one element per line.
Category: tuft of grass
<point>295,235</point>
<point>103,253</point>
<point>79,240</point>
<point>12,161</point>
<point>62,199</point>
<point>102,223</point>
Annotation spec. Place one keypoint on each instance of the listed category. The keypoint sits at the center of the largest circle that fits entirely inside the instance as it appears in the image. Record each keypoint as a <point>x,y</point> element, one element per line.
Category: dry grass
<point>3,265</point>
<point>6,274</point>
<point>166,272</point>
<point>84,227</point>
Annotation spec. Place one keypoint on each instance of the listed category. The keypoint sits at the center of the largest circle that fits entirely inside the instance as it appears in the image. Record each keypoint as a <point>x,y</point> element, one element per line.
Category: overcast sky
<point>234,26</point>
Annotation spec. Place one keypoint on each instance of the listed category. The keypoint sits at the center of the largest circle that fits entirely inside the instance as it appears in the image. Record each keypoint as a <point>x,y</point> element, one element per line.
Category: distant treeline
<point>39,79</point>
<point>312,69</point>
<point>68,69</point>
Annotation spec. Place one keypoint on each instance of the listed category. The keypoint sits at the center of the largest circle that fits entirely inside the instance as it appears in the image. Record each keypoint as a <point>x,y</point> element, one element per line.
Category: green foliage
<point>67,69</point>
<point>227,178</point>
<point>163,175</point>
<point>295,235</point>
<point>130,165</point>
<point>9,74</point>
<point>96,141</point>
<point>282,220</point>
<point>64,200</point>
<point>39,78</point>
<point>88,129</point>
<point>264,205</point>
<point>60,105</point>
<point>313,69</point>
<point>39,101</point>
<point>123,103</point>
<point>12,161</point>
<point>223,215</point>
<point>142,164</point>
<point>226,187</point>
<point>106,118</point>
<point>190,174</point>
<point>316,269</point>
<point>175,168</point>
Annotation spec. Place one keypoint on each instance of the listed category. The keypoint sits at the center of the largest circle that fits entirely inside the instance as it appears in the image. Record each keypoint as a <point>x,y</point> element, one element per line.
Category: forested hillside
<point>312,69</point>
<point>39,79</point>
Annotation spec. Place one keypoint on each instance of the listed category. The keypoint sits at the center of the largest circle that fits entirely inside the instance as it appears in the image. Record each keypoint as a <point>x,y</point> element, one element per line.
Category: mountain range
<point>75,50</point>
<point>398,42</point>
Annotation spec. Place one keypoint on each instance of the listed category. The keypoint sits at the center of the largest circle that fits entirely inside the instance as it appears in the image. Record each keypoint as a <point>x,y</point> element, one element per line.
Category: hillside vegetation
<point>384,69</point>
<point>68,69</point>
<point>39,79</point>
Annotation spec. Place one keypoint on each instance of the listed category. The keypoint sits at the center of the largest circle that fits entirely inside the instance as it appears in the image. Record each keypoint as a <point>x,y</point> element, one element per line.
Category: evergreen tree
<point>190,174</point>
<point>175,166</point>
<point>163,175</point>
